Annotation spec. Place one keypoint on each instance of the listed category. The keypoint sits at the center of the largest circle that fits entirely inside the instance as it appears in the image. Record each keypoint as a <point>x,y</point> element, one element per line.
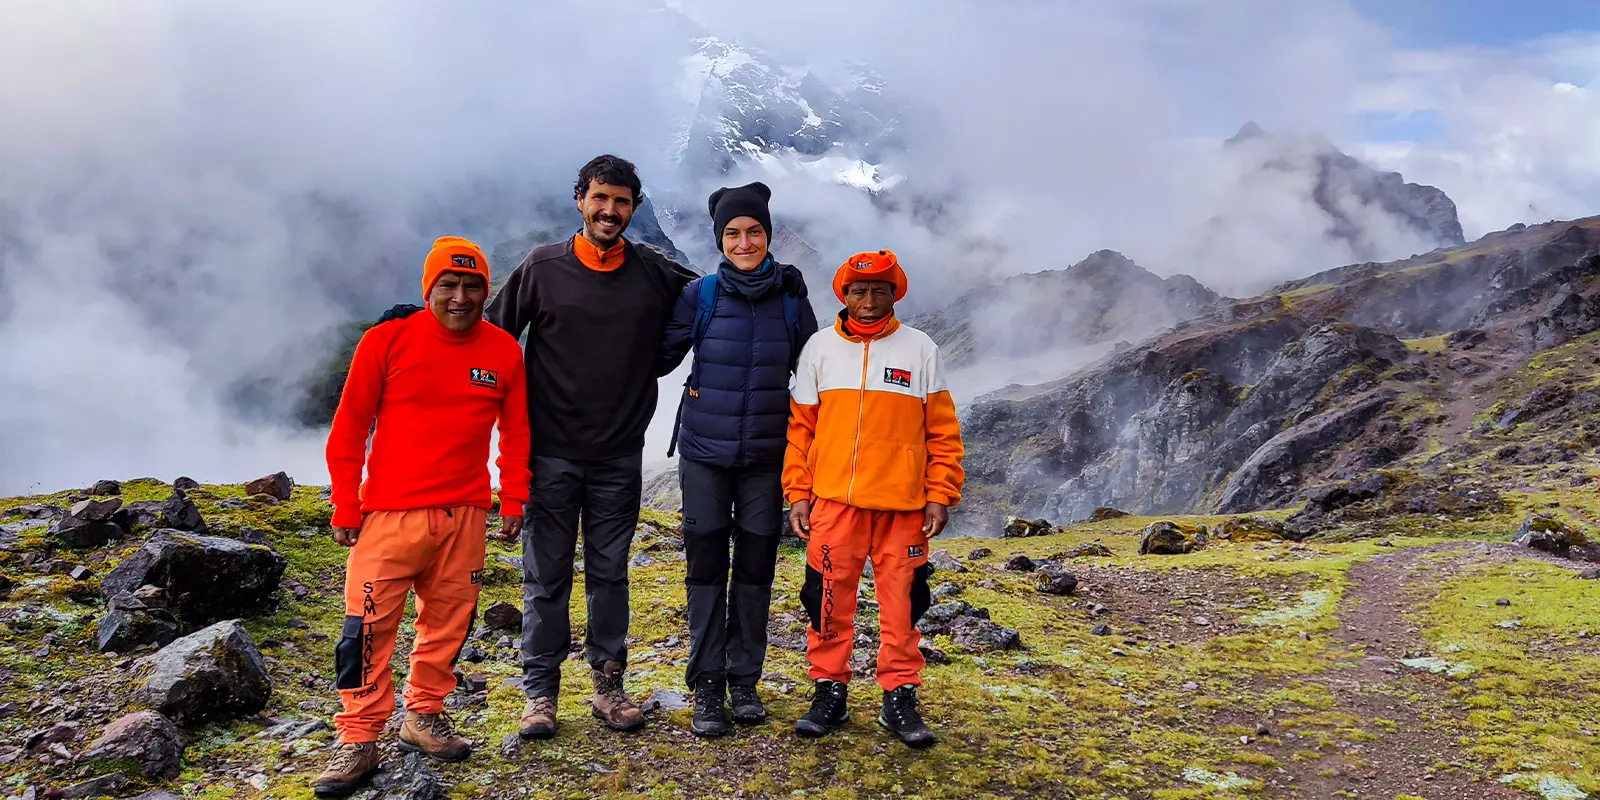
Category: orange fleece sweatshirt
<point>434,396</point>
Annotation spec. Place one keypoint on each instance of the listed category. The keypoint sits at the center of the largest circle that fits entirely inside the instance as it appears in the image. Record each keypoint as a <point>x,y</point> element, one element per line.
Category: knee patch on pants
<point>921,597</point>
<point>707,556</point>
<point>811,597</point>
<point>755,559</point>
<point>348,656</point>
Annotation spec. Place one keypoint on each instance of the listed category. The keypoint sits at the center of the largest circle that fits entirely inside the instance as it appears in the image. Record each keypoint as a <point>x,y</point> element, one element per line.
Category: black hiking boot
<point>900,717</point>
<point>710,708</point>
<point>747,707</point>
<point>828,709</point>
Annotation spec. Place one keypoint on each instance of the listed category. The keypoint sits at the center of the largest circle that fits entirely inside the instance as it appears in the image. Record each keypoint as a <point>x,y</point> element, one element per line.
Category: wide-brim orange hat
<point>871,266</point>
<point>453,254</point>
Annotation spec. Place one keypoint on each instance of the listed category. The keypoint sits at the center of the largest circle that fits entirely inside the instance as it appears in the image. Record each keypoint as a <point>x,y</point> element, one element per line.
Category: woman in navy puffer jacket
<point>752,321</point>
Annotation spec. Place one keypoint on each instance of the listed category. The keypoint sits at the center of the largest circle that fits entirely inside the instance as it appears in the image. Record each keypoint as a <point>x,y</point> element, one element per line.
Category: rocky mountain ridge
<point>1256,402</point>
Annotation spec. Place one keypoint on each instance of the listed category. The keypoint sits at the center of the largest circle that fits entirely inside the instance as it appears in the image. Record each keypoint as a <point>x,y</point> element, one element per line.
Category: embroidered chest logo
<point>898,377</point>
<point>485,377</point>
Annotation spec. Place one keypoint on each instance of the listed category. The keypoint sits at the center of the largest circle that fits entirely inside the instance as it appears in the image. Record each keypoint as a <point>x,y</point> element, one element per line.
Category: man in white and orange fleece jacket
<point>872,467</point>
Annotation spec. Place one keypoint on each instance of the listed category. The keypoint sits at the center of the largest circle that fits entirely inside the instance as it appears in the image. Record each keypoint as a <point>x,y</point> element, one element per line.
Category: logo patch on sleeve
<point>477,576</point>
<point>898,377</point>
<point>485,377</point>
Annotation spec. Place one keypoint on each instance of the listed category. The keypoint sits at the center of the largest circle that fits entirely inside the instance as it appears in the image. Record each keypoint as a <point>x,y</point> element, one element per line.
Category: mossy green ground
<point>1164,707</point>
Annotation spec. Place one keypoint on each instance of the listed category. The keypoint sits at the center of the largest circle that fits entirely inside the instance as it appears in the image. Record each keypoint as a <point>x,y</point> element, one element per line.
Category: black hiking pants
<point>738,510</point>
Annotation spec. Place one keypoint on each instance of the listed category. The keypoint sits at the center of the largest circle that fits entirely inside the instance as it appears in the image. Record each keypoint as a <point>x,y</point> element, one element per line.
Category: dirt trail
<point>1410,711</point>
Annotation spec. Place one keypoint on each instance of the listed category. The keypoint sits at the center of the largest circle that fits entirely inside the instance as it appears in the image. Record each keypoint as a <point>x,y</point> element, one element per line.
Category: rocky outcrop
<point>90,524</point>
<point>277,485</point>
<point>177,512</point>
<point>205,578</point>
<point>1018,528</point>
<point>144,738</point>
<point>1252,529</point>
<point>216,673</point>
<point>1551,535</point>
<point>1267,477</point>
<point>1171,538</point>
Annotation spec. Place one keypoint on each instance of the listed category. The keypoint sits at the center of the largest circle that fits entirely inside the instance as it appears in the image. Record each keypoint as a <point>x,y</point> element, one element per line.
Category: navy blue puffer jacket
<point>736,412</point>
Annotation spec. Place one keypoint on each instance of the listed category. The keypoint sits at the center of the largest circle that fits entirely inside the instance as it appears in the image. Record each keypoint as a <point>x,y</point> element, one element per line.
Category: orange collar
<point>858,333</point>
<point>608,260</point>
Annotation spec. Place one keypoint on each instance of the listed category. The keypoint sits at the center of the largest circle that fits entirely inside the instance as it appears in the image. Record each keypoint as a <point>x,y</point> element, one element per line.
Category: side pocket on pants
<point>811,597</point>
<point>347,656</point>
<point>921,597</point>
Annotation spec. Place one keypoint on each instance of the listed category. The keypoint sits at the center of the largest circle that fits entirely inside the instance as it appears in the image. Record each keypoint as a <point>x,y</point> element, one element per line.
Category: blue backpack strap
<point>704,307</point>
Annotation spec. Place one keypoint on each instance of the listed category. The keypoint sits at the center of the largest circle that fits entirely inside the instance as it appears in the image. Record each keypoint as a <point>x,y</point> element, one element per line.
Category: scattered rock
<point>1252,529</point>
<point>159,794</point>
<point>943,561</point>
<point>1020,563</point>
<point>1592,573</point>
<point>981,635</point>
<point>1054,580</point>
<point>931,654</point>
<point>177,512</point>
<point>1202,622</point>
<point>38,510</point>
<point>979,552</point>
<point>90,524</point>
<point>1099,610</point>
<point>1017,528</point>
<point>642,560</point>
<point>945,591</point>
<point>502,616</point>
<point>474,683</point>
<point>1466,338</point>
<point>278,485</point>
<point>1101,630</point>
<point>1106,514</point>
<point>667,700</point>
<point>145,738</point>
<point>130,623</point>
<point>55,734</point>
<point>253,536</point>
<point>213,674</point>
<point>1085,550</point>
<point>104,488</point>
<point>412,779</point>
<point>1551,535</point>
<point>103,786</point>
<point>206,578</point>
<point>6,585</point>
<point>473,655</point>
<point>81,573</point>
<point>945,613</point>
<point>1502,602</point>
<point>1171,538</point>
<point>185,484</point>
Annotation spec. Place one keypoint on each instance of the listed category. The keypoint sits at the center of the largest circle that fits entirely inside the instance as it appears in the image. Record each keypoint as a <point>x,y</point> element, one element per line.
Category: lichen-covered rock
<point>945,613</point>
<point>979,553</point>
<point>214,674</point>
<point>502,616</point>
<point>1252,529</point>
<point>90,524</point>
<point>943,561</point>
<point>1018,528</point>
<point>130,623</point>
<point>1019,563</point>
<point>109,785</point>
<point>1551,535</point>
<point>177,512</point>
<point>277,485</point>
<point>1106,514</point>
<point>1171,538</point>
<point>143,737</point>
<point>1084,550</point>
<point>413,779</point>
<point>1052,579</point>
<point>206,578</point>
<point>981,636</point>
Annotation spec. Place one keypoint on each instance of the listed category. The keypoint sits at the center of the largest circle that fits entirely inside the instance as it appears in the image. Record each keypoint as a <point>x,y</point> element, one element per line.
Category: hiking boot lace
<point>706,701</point>
<point>826,699</point>
<point>441,726</point>
<point>611,689</point>
<point>347,758</point>
<point>744,695</point>
<point>542,705</point>
<point>903,708</point>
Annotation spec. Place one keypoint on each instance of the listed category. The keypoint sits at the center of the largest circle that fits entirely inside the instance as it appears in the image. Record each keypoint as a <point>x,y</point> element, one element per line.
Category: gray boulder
<point>413,779</point>
<point>981,636</point>
<point>1055,580</point>
<point>1171,538</point>
<point>145,738</point>
<point>277,485</point>
<point>90,524</point>
<point>130,623</point>
<point>177,512</point>
<point>206,578</point>
<point>214,674</point>
<point>943,561</point>
<point>1551,535</point>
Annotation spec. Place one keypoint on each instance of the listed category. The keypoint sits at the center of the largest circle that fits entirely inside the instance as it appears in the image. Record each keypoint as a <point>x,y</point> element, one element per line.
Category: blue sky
<point>1492,23</point>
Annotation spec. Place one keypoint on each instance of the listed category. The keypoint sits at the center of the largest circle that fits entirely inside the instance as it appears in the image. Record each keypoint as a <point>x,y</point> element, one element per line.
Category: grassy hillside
<point>1381,668</point>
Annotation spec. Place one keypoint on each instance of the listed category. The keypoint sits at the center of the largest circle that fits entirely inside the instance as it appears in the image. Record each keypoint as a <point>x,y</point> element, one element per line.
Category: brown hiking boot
<point>433,735</point>
<point>538,719</point>
<point>349,768</point>
<point>611,703</point>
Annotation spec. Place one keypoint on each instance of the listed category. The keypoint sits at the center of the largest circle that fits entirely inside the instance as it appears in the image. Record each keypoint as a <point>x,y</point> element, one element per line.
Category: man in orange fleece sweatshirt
<point>430,388</point>
<point>873,465</point>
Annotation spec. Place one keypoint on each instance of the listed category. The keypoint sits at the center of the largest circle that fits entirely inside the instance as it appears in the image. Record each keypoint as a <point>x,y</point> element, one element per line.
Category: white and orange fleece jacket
<point>872,423</point>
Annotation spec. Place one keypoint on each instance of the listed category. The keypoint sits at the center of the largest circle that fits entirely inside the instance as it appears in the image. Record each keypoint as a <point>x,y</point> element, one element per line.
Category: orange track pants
<point>440,553</point>
<point>842,539</point>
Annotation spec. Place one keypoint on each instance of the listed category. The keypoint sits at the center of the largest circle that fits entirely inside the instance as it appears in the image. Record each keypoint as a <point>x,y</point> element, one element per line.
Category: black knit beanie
<point>749,200</point>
